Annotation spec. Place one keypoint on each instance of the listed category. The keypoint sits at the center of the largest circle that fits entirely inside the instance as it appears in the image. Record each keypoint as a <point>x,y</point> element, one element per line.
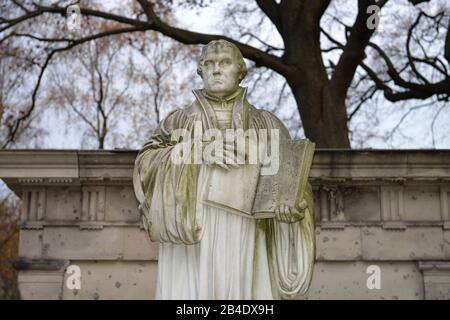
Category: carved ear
<point>244,71</point>
<point>199,71</point>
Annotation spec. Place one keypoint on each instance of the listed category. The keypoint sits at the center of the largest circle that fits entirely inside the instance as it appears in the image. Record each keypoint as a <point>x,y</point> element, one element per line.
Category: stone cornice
<point>40,264</point>
<point>330,167</point>
<point>29,164</point>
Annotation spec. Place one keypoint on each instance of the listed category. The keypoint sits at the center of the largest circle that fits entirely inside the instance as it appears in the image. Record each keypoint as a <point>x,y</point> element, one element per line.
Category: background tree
<point>93,82</point>
<point>164,72</point>
<point>9,236</point>
<point>320,88</point>
<point>15,71</point>
<point>398,76</point>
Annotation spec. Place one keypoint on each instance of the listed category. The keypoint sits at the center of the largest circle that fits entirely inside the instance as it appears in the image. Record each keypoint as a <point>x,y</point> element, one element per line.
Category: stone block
<point>30,244</point>
<point>436,277</point>
<point>40,284</point>
<point>108,243</point>
<point>362,203</point>
<point>338,244</point>
<point>63,204</point>
<point>121,204</point>
<point>413,243</point>
<point>113,280</point>
<point>422,203</point>
<point>348,280</point>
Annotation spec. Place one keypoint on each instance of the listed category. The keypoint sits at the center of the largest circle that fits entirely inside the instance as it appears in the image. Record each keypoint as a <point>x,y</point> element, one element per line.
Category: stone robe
<point>205,252</point>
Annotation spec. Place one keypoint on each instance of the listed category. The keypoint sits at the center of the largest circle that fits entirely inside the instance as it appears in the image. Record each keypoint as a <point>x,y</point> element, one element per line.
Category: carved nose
<point>216,68</point>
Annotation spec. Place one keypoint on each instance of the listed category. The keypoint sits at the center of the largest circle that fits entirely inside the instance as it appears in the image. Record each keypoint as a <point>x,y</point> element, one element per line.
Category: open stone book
<point>259,196</point>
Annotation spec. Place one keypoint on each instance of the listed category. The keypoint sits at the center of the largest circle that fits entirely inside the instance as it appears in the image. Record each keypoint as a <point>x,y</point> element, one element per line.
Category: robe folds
<point>206,252</point>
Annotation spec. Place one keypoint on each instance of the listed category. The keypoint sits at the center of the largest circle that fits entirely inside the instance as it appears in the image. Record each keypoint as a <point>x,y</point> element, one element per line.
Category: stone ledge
<point>438,265</point>
<point>116,242</point>
<point>331,165</point>
<point>40,264</point>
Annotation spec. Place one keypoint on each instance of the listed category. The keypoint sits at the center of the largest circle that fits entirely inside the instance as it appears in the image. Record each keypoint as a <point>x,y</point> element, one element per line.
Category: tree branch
<point>14,127</point>
<point>269,47</point>
<point>447,43</point>
<point>260,58</point>
<point>411,58</point>
<point>367,96</point>
<point>353,53</point>
<point>96,13</point>
<point>270,8</point>
<point>389,94</point>
<point>442,87</point>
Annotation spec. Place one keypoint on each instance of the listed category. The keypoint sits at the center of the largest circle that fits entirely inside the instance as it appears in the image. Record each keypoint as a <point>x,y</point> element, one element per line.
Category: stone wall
<point>388,209</point>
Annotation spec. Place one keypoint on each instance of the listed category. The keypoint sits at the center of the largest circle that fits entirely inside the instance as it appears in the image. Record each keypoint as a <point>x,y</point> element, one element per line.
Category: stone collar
<point>240,108</point>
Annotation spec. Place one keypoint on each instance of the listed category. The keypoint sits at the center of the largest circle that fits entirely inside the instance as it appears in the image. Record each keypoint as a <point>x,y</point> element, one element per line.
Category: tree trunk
<point>320,103</point>
<point>323,114</point>
<point>101,142</point>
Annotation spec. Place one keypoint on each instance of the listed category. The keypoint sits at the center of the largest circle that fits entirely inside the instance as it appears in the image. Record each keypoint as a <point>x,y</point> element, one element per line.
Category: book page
<point>233,190</point>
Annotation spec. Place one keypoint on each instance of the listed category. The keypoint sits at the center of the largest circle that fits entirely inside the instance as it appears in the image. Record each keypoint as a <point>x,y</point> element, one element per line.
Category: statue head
<point>221,67</point>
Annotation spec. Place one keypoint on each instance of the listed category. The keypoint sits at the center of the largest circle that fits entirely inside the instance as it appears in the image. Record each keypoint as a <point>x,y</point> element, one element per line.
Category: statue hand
<point>288,214</point>
<point>234,154</point>
<point>228,159</point>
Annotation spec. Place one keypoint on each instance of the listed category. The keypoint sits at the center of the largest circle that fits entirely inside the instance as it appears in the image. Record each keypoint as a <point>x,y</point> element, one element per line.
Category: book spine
<point>308,157</point>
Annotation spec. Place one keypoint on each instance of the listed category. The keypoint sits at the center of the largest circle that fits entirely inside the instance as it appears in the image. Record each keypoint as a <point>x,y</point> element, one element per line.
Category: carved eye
<point>208,63</point>
<point>226,62</point>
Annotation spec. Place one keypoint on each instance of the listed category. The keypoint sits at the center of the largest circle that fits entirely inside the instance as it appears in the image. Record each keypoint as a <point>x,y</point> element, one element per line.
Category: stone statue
<point>209,252</point>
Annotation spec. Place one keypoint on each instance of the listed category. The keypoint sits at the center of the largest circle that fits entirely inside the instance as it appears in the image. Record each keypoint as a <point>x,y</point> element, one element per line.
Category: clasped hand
<point>227,159</point>
<point>289,214</point>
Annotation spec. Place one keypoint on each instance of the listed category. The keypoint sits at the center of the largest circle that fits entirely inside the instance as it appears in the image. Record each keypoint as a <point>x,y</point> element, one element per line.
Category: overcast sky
<point>415,131</point>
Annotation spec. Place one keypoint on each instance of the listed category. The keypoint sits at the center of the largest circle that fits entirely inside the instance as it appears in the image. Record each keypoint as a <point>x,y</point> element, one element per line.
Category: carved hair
<point>221,44</point>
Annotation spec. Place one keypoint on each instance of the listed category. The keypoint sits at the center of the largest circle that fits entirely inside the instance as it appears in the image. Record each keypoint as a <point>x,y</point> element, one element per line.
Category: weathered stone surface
<point>362,203</point>
<point>348,280</point>
<point>108,243</point>
<point>31,164</point>
<point>30,243</point>
<point>338,244</point>
<point>415,243</point>
<point>385,208</point>
<point>109,165</point>
<point>121,204</point>
<point>436,279</point>
<point>446,243</point>
<point>113,280</point>
<point>39,284</point>
<point>422,202</point>
<point>63,204</point>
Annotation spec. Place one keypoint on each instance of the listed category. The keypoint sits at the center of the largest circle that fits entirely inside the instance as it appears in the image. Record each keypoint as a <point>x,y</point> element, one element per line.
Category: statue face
<point>220,72</point>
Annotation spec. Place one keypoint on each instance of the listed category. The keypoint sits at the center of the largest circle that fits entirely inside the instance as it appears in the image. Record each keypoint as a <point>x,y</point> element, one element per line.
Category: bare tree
<point>406,69</point>
<point>14,68</point>
<point>9,235</point>
<point>320,90</point>
<point>163,71</point>
<point>93,82</point>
